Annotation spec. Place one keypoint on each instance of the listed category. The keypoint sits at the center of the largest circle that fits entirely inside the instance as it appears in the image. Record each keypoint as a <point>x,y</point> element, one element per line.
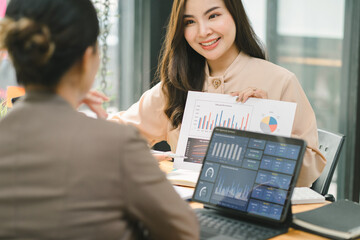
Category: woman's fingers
<point>94,96</point>
<point>100,95</point>
<point>161,157</point>
<point>98,110</point>
<point>94,101</point>
<point>245,94</point>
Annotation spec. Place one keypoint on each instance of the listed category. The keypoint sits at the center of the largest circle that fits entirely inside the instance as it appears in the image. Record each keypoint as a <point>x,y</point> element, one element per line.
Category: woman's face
<point>210,29</point>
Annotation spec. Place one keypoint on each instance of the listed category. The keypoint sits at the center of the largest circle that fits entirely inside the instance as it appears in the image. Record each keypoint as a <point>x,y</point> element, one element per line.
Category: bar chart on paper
<point>208,115</point>
<point>205,111</point>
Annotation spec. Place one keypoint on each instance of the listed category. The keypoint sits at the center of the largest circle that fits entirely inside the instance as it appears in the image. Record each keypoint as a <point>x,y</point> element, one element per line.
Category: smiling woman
<point>211,33</point>
<point>210,46</point>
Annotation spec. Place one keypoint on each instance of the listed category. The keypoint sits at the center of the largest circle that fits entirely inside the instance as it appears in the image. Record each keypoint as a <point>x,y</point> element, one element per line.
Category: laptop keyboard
<point>213,225</point>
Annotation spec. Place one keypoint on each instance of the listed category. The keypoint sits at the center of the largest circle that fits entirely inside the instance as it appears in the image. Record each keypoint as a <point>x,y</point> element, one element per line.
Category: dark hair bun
<point>45,38</point>
<point>29,43</point>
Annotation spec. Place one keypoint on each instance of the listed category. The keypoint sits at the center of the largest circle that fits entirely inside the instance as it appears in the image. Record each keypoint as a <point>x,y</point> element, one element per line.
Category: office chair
<point>330,145</point>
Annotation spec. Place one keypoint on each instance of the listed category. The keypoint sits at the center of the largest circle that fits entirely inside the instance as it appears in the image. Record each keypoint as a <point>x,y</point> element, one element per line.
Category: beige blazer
<point>66,176</point>
<point>280,84</point>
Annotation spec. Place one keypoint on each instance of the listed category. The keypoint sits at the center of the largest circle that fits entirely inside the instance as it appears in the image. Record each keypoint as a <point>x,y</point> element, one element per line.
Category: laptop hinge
<point>289,217</point>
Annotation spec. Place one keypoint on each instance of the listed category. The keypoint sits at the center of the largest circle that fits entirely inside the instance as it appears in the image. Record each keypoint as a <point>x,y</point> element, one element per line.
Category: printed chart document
<point>204,111</point>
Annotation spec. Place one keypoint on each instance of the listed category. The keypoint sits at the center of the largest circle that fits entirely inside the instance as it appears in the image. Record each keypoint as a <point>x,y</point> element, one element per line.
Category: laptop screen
<point>250,173</point>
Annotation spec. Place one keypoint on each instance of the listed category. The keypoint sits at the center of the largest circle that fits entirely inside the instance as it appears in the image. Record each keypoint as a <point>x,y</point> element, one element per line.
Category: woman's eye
<point>213,15</point>
<point>188,22</point>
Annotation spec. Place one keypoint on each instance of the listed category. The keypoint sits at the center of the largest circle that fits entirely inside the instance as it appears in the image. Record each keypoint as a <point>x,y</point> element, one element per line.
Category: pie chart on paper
<point>268,124</point>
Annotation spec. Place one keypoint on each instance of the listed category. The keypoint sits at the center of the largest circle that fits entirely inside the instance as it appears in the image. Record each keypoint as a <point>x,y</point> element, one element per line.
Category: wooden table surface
<point>167,166</point>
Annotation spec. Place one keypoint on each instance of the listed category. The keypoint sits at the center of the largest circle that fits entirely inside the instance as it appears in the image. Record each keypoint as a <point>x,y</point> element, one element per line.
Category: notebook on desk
<point>246,181</point>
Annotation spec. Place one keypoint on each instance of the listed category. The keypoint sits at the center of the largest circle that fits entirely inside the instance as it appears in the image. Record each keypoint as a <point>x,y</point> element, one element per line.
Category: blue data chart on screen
<point>247,174</point>
<point>210,171</point>
<point>203,191</point>
<point>269,194</point>
<point>280,165</point>
<point>265,209</point>
<point>282,150</point>
<point>273,179</point>
<point>227,150</point>
<point>233,187</point>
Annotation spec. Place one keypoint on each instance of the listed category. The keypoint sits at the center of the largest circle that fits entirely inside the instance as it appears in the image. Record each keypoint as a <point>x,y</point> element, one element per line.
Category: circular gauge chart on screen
<point>268,124</point>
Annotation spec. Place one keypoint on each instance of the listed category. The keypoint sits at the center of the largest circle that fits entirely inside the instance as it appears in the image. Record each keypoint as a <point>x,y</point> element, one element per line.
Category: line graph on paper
<point>208,115</point>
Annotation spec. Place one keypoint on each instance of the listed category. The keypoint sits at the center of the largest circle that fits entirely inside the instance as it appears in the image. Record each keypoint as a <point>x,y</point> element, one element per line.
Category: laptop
<point>246,183</point>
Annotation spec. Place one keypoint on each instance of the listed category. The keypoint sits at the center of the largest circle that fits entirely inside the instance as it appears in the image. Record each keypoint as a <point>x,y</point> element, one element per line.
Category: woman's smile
<point>210,44</point>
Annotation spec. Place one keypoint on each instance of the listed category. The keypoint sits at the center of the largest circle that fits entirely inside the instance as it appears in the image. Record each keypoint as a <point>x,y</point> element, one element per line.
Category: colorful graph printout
<point>205,111</point>
<point>208,115</point>
<point>196,150</point>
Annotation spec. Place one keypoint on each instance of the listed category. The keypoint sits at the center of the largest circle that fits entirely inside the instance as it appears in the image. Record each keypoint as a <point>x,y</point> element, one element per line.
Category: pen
<point>169,154</point>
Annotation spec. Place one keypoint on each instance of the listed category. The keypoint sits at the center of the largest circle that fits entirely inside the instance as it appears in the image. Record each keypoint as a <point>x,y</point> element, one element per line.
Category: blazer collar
<point>45,97</point>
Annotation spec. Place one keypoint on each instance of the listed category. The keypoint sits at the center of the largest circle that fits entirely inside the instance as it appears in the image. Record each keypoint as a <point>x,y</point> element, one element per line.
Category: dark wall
<point>160,11</point>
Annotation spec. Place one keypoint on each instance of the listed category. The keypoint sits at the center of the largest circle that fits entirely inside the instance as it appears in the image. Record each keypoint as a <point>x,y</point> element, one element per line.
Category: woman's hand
<point>243,95</point>
<point>161,157</point>
<point>94,101</point>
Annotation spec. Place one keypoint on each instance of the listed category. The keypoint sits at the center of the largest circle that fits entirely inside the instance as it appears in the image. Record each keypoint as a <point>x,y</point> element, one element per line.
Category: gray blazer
<point>67,176</point>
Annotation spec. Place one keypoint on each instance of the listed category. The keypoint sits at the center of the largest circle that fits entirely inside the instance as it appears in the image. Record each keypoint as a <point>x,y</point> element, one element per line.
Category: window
<point>317,40</point>
<point>310,39</point>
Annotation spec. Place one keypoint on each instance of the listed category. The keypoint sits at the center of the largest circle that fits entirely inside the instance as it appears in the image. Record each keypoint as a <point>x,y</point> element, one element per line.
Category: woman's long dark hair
<point>45,38</point>
<point>182,69</point>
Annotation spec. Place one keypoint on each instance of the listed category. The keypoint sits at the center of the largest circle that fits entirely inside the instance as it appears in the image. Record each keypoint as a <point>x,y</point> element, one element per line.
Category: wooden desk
<point>167,166</point>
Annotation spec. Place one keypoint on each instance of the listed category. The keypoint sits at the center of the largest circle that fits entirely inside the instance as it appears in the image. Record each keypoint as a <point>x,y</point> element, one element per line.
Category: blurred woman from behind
<point>64,175</point>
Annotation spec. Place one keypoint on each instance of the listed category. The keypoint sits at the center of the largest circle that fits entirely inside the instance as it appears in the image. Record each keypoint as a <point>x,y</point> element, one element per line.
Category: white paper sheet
<point>204,111</point>
<point>184,192</point>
